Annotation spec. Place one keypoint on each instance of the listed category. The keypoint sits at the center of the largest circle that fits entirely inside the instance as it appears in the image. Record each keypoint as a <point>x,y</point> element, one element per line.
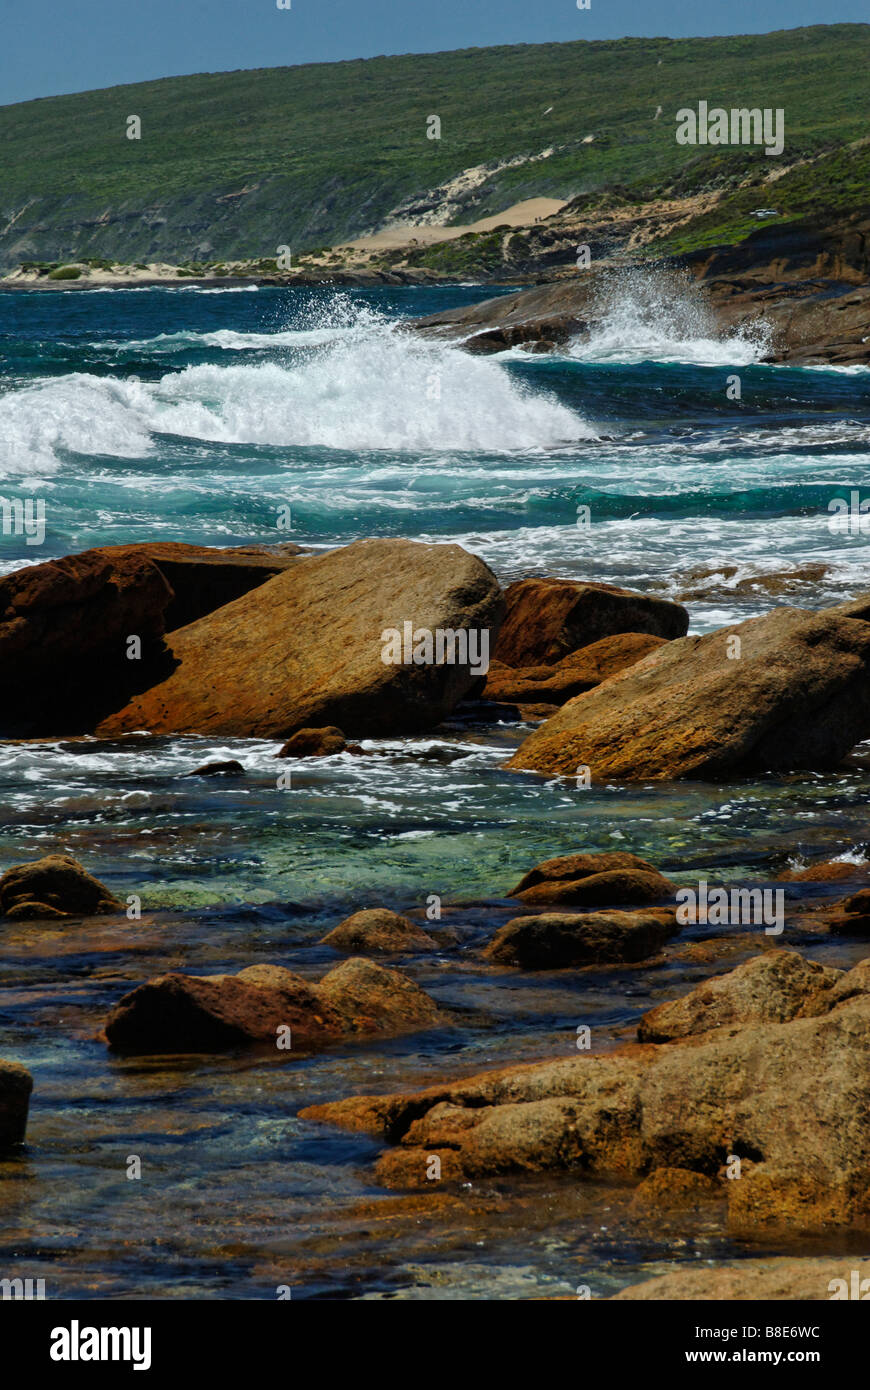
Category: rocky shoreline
<point>746,1094</point>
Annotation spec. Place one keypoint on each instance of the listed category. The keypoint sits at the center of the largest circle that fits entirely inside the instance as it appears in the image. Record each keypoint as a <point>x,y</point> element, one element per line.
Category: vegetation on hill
<point>240,163</point>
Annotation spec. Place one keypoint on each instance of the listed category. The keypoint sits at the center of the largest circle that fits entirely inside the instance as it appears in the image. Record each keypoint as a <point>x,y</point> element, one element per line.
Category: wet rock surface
<point>56,886</point>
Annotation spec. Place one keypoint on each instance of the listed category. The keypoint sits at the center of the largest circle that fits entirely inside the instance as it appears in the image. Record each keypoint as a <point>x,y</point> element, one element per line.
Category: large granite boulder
<point>308,648</point>
<point>66,625</point>
<point>546,619</point>
<point>787,690</point>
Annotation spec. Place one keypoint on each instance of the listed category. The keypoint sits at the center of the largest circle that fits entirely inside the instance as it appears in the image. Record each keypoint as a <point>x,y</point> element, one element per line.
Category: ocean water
<point>201,414</point>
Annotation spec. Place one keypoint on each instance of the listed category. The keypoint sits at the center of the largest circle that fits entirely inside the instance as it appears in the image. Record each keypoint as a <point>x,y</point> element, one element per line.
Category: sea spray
<point>662,316</point>
<point>368,385</point>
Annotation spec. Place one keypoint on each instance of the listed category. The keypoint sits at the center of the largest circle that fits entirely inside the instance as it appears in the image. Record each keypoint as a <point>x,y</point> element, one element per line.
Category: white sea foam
<point>660,316</point>
<point>363,386</point>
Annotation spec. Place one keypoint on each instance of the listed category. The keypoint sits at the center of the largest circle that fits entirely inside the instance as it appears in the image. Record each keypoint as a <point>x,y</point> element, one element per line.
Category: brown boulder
<point>314,743</point>
<point>56,886</point>
<point>306,649</point>
<point>572,675</point>
<point>570,867</point>
<point>791,1099</point>
<point>192,1013</point>
<point>674,1189</point>
<point>754,1281</point>
<point>558,940</point>
<point>593,880</point>
<point>377,929</point>
<point>76,614</point>
<point>203,578</point>
<point>546,619</point>
<point>766,989</point>
<point>64,629</point>
<point>374,1000</point>
<point>620,886</point>
<point>831,871</point>
<point>15,1087</point>
<point>796,694</point>
<point>852,917</point>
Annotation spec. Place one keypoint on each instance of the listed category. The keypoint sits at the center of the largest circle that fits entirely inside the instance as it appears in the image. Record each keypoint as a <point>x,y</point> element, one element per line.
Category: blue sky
<point>53,46</point>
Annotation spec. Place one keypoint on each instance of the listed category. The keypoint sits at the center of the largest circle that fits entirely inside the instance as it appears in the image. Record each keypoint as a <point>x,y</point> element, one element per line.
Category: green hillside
<point>235,164</point>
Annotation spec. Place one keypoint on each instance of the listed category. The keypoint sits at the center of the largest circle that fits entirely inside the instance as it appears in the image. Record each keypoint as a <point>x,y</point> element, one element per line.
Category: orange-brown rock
<point>610,879</point>
<point>56,886</point>
<point>674,1189</point>
<point>306,649</point>
<point>830,871</point>
<point>203,577</point>
<point>314,743</point>
<point>194,1013</point>
<point>789,1099</point>
<point>572,675</point>
<point>755,1281</point>
<point>792,691</point>
<point>65,625</point>
<point>567,868</point>
<point>546,619</point>
<point>560,940</point>
<point>376,929</point>
<point>64,630</point>
<point>852,915</point>
<point>771,988</point>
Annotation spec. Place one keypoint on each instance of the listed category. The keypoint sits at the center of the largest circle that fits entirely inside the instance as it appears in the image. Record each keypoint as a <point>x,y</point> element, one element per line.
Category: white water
<point>660,316</point>
<point>367,386</point>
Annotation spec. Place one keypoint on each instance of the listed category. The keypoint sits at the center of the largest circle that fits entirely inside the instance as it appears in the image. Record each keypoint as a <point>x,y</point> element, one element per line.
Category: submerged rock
<point>558,940</point>
<point>787,690</point>
<point>547,619</point>
<point>16,1085</point>
<point>852,915</point>
<point>197,1013</point>
<point>830,871</point>
<point>594,880</point>
<point>55,886</point>
<point>307,649</point>
<point>754,1281</point>
<point>789,1100</point>
<point>377,929</point>
<point>316,743</point>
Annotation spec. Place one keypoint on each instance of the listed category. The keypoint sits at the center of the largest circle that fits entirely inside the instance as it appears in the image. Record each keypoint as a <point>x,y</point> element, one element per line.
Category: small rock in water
<point>594,880</point>
<point>378,929</point>
<point>15,1087</point>
<point>558,940</point>
<point>266,1003</point>
<point>316,743</point>
<point>53,887</point>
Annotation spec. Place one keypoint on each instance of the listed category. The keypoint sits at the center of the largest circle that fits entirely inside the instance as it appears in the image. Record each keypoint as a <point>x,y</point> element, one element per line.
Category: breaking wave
<point>367,385</point>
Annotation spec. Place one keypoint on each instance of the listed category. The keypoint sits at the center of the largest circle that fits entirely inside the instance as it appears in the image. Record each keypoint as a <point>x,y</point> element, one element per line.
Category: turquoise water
<point>196,415</point>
